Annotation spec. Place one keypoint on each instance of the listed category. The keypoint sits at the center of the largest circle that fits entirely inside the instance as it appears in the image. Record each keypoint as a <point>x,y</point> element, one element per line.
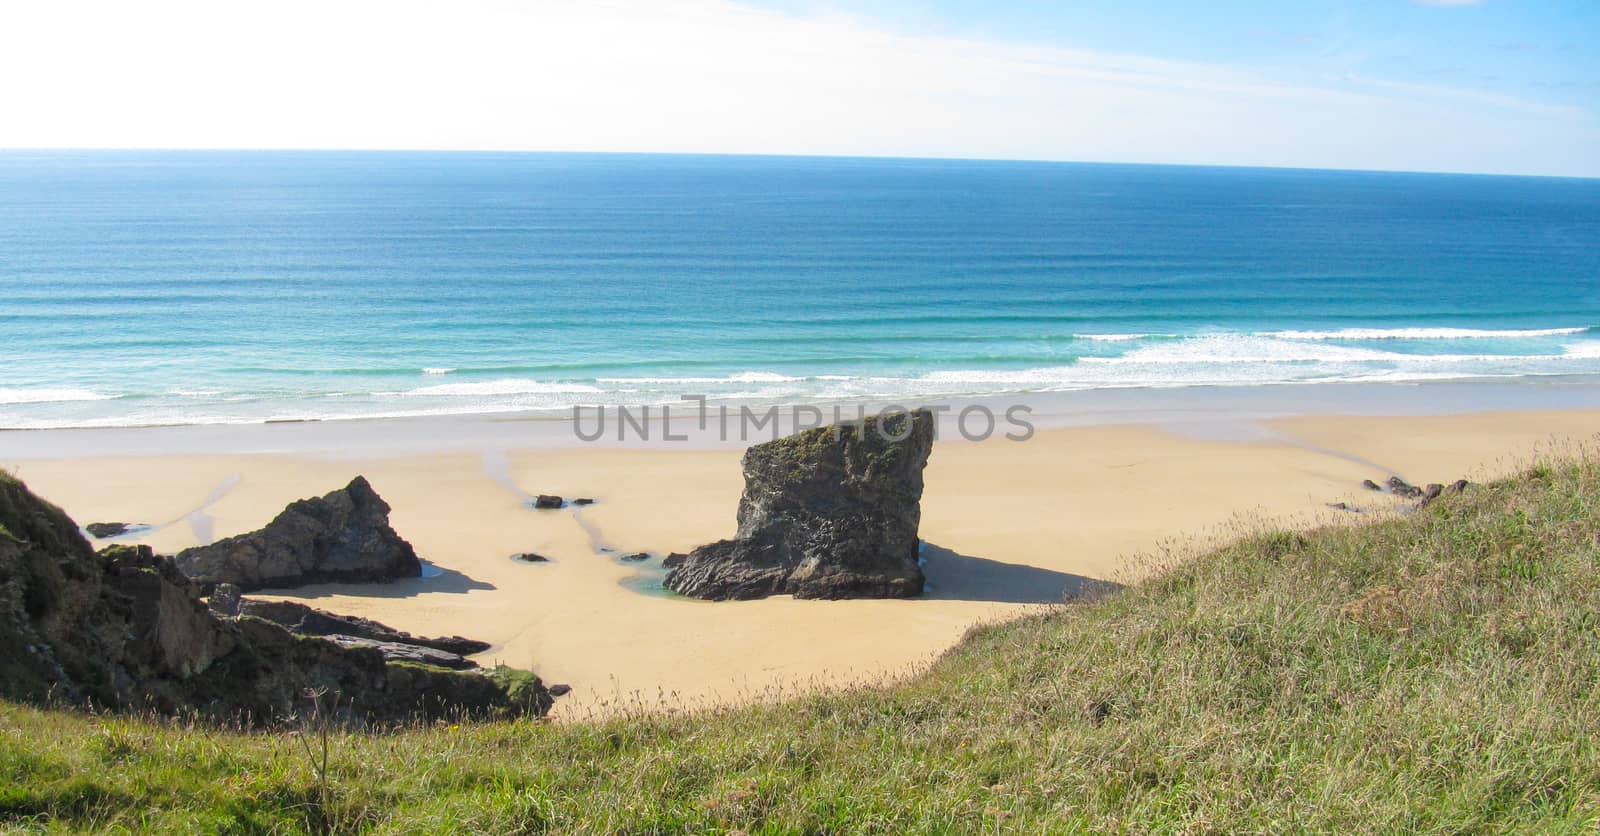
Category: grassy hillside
<point>1435,672</point>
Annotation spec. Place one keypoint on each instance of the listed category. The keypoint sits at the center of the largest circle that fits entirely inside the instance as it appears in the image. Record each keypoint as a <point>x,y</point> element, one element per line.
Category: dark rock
<point>1436,490</point>
<point>545,500</point>
<point>583,500</point>
<point>831,512</point>
<point>1371,485</point>
<point>636,557</point>
<point>674,559</point>
<point>530,557</point>
<point>125,630</point>
<point>308,621</point>
<point>103,530</point>
<point>1344,506</point>
<point>560,690</point>
<point>1400,487</point>
<point>416,654</point>
<point>342,537</point>
<point>224,600</point>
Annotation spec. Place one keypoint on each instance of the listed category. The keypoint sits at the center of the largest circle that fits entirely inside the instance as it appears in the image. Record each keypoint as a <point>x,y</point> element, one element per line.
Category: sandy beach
<point>1008,525</point>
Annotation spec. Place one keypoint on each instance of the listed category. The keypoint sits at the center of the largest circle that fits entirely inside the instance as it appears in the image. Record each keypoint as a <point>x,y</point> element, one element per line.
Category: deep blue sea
<point>203,287</point>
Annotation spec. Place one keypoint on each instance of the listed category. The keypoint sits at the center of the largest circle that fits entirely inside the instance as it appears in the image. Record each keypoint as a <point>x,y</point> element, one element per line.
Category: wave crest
<point>1423,334</point>
<point>20,395</point>
<point>507,386</point>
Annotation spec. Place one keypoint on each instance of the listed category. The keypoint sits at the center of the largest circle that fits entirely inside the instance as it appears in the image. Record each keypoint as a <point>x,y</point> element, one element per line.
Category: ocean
<point>239,287</point>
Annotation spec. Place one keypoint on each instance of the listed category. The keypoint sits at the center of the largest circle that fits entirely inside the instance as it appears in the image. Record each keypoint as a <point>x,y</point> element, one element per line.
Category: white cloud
<point>702,76</point>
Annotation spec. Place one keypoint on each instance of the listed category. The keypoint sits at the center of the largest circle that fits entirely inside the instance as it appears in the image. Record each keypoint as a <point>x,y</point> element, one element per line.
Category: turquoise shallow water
<point>213,287</point>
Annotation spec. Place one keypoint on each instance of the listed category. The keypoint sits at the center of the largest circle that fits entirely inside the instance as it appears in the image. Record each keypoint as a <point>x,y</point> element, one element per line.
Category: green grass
<point>1431,673</point>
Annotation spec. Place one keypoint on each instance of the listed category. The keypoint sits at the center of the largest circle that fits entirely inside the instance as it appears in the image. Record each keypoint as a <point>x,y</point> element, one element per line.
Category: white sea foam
<point>1213,359</point>
<point>1113,338</point>
<point>1235,359</point>
<point>1048,374</point>
<point>1241,348</point>
<point>21,395</point>
<point>1422,334</point>
<point>507,386</point>
<point>437,370</point>
<point>741,377</point>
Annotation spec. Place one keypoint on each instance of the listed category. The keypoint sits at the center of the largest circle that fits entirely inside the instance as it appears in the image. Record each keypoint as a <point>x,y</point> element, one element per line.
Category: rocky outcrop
<point>831,512</point>
<point>1400,487</point>
<point>1405,490</point>
<point>124,629</point>
<point>402,652</point>
<point>106,530</point>
<point>344,536</point>
<point>308,621</point>
<point>1437,490</point>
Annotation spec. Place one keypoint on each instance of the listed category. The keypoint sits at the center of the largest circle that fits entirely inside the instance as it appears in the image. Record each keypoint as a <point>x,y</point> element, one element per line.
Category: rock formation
<point>302,620</point>
<point>416,654</point>
<point>124,629</point>
<point>830,512</point>
<point>344,536</point>
<point>1424,496</point>
<point>1400,487</point>
<point>105,530</point>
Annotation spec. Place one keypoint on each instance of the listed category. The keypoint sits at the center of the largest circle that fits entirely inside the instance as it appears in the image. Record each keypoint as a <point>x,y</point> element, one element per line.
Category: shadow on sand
<point>960,577</point>
<point>445,580</point>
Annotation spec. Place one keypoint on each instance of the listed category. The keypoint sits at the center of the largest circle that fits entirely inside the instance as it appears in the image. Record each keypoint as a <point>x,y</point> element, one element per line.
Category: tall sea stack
<point>830,512</point>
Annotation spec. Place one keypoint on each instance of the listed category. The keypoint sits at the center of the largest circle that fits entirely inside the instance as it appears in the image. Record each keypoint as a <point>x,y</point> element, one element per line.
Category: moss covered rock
<point>123,629</point>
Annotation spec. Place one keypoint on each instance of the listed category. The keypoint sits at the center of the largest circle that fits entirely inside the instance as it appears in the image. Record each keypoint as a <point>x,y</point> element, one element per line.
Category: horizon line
<point>778,155</point>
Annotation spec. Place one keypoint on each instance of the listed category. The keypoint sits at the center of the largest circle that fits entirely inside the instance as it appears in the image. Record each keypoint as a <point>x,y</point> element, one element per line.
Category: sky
<point>1493,86</point>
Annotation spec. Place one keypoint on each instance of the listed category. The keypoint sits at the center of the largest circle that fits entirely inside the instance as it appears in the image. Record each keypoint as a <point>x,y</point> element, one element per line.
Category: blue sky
<point>1530,48</point>
<point>1497,86</point>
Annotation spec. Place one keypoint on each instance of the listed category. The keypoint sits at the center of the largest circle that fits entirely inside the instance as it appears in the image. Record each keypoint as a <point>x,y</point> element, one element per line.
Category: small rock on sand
<point>102,530</point>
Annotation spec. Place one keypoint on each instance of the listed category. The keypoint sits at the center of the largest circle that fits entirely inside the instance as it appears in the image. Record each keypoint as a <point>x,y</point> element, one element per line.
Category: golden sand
<point>1009,526</point>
